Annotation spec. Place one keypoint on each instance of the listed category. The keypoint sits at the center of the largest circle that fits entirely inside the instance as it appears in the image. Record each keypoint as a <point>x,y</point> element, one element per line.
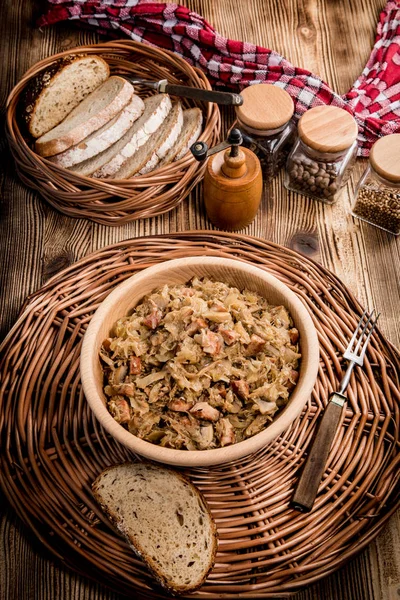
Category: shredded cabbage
<point>200,365</point>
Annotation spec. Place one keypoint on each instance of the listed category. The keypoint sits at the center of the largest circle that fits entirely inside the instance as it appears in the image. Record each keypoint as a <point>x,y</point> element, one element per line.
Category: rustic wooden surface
<point>332,38</point>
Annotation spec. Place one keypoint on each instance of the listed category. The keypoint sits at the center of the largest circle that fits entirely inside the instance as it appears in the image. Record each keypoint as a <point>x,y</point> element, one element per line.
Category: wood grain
<point>314,467</point>
<point>333,39</point>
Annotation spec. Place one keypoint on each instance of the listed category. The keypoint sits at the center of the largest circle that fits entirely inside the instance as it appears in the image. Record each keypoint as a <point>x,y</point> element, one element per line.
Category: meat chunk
<point>293,336</point>
<point>218,306</point>
<point>196,325</point>
<point>221,389</point>
<point>225,432</point>
<point>228,335</point>
<point>203,410</point>
<point>119,408</point>
<point>241,388</point>
<point>211,342</point>
<point>180,405</point>
<point>291,384</point>
<point>127,389</point>
<point>256,345</point>
<point>135,365</point>
<point>153,319</point>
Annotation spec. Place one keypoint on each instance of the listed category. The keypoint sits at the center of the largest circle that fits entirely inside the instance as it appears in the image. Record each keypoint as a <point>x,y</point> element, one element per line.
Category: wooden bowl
<point>126,296</point>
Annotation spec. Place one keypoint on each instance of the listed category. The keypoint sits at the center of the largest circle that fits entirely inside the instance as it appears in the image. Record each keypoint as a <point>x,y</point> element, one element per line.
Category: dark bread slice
<point>55,92</point>
<point>165,520</point>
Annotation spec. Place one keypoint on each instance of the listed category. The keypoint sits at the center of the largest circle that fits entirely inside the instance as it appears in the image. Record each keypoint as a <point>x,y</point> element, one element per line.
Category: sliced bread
<point>165,520</point>
<point>191,130</point>
<point>56,91</point>
<point>104,137</point>
<point>97,109</point>
<point>108,162</point>
<point>149,155</point>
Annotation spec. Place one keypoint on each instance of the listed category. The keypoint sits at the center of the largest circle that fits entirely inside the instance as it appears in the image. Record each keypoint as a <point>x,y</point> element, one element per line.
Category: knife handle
<point>314,467</point>
<point>203,95</point>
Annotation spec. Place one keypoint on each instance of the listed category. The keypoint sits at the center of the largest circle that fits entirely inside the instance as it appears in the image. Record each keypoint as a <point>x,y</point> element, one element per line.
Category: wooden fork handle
<point>314,467</point>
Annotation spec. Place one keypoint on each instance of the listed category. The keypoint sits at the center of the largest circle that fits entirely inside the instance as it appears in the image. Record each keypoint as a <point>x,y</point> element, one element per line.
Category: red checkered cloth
<point>374,99</point>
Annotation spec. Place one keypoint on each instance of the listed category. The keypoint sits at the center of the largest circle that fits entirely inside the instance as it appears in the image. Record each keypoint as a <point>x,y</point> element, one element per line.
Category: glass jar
<point>265,121</point>
<point>320,162</point>
<point>319,175</point>
<point>377,195</point>
<point>272,147</point>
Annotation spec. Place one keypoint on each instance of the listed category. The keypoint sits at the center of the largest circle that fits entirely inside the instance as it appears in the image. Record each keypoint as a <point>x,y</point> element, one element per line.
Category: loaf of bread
<point>55,92</point>
<point>107,163</point>
<point>97,109</point>
<point>165,520</point>
<point>149,155</point>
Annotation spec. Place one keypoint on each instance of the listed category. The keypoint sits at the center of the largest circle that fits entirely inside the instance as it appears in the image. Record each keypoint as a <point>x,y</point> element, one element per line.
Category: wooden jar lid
<point>265,106</point>
<point>385,157</point>
<point>327,128</point>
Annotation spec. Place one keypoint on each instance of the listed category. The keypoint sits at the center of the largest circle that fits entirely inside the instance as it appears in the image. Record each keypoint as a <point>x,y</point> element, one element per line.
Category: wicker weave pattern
<point>52,448</point>
<point>115,202</point>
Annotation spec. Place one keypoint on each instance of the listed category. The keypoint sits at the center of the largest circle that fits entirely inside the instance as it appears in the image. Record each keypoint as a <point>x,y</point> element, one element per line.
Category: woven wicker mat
<point>52,448</point>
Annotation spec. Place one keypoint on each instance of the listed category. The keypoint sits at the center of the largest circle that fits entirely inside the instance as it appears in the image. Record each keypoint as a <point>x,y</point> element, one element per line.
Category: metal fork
<point>310,478</point>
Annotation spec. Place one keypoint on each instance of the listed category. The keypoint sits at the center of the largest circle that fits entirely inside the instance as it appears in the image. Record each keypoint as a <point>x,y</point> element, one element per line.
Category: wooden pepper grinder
<point>232,182</point>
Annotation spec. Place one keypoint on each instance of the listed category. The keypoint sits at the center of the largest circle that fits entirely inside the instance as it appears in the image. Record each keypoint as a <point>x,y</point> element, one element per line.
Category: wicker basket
<point>117,202</point>
<point>52,447</point>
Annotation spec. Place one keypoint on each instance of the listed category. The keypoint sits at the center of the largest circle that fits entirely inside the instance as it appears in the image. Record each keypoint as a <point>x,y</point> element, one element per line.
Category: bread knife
<point>184,91</point>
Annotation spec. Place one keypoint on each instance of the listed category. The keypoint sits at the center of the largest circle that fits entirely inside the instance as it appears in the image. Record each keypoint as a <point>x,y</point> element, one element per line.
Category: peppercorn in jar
<point>326,148</point>
<point>265,121</point>
<point>377,195</point>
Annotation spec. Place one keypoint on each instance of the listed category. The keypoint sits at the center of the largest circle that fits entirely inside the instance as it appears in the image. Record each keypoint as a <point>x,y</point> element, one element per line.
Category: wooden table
<point>330,38</point>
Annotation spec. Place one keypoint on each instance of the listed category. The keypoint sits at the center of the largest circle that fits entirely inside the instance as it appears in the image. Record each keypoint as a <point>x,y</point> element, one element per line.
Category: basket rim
<point>91,196</point>
<point>90,48</point>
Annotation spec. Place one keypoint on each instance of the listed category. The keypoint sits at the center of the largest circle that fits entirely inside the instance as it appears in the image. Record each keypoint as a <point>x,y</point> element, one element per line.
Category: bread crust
<point>139,550</point>
<point>186,139</point>
<point>161,138</point>
<point>38,85</point>
<point>156,118</point>
<point>102,140</point>
<point>80,132</point>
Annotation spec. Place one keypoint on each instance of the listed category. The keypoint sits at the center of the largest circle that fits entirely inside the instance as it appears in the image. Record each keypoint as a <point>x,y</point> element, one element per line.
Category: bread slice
<point>56,91</point>
<point>97,109</point>
<point>165,520</point>
<point>103,138</point>
<point>149,155</point>
<point>107,163</point>
<point>191,130</point>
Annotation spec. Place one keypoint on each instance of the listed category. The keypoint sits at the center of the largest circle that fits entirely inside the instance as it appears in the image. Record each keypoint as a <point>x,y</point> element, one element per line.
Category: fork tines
<point>366,329</point>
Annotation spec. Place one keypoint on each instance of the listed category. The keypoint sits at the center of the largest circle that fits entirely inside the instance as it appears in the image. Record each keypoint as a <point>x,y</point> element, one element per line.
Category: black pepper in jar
<point>265,120</point>
<point>379,207</point>
<point>377,196</point>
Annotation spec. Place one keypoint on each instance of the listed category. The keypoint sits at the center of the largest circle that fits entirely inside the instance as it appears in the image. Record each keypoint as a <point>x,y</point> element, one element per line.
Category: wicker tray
<point>120,201</point>
<point>52,448</point>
